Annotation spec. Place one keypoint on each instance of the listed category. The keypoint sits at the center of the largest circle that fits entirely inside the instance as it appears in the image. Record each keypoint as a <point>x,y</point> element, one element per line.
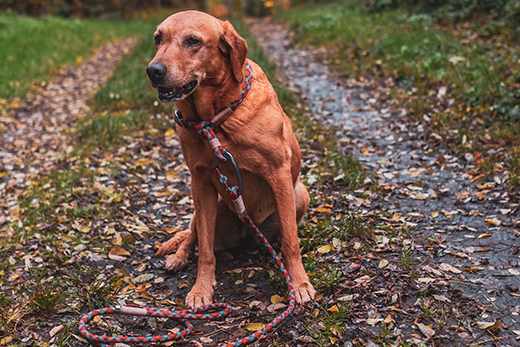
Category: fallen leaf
<point>425,280</point>
<point>448,267</point>
<point>274,307</point>
<point>55,330</point>
<point>364,278</point>
<point>441,298</point>
<point>414,214</point>
<point>6,340</point>
<point>419,196</point>
<point>255,326</point>
<point>117,253</point>
<point>474,269</point>
<point>389,319</point>
<point>254,303</point>
<point>276,299</point>
<point>493,221</point>
<point>458,202</point>
<point>333,309</point>
<point>513,272</point>
<point>373,321</point>
<point>324,249</point>
<point>489,325</point>
<point>322,209</point>
<point>204,339</point>
<point>142,278</point>
<point>383,263</point>
<point>144,162</point>
<point>172,230</point>
<point>426,330</point>
<point>487,185</point>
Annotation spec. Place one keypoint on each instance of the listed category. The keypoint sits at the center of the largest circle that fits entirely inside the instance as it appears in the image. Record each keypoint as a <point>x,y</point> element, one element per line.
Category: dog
<point>200,65</point>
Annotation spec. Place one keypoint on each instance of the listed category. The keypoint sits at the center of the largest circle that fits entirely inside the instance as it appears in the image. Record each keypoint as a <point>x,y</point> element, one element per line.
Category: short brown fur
<point>258,134</point>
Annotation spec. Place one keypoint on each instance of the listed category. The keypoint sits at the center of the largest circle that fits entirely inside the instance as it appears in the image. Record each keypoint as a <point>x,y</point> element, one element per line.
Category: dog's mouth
<point>171,95</point>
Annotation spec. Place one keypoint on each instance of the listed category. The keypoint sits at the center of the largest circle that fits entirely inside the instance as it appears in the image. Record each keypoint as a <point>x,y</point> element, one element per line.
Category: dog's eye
<point>192,42</point>
<point>158,39</point>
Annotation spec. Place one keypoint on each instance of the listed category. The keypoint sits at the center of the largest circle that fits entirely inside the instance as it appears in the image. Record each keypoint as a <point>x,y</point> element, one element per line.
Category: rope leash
<point>203,129</point>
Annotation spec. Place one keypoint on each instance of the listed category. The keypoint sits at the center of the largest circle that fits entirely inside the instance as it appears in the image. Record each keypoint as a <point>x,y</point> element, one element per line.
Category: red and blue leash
<point>203,129</point>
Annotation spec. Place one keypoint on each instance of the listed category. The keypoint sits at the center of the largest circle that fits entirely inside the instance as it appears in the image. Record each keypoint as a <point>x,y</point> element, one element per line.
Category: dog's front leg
<point>205,201</point>
<point>281,184</point>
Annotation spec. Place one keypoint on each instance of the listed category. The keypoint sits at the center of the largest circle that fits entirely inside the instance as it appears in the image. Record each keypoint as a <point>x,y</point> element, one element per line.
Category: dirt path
<point>470,226</point>
<point>34,135</point>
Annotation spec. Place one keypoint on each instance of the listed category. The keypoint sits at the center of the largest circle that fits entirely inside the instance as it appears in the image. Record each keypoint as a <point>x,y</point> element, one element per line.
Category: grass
<point>129,86</point>
<point>463,87</point>
<point>32,48</point>
<point>107,129</point>
<point>333,324</point>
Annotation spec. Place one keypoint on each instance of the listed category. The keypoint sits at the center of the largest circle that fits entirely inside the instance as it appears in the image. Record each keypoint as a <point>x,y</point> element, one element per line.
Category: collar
<point>224,114</point>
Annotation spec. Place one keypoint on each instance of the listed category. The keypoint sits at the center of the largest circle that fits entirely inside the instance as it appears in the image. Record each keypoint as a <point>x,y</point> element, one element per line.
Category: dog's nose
<point>156,71</point>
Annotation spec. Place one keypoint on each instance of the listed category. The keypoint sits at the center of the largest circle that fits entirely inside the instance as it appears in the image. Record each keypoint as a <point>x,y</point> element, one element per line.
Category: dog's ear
<point>234,46</point>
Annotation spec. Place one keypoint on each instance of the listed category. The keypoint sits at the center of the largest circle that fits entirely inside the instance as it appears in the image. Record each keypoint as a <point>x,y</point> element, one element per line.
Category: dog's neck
<point>211,97</point>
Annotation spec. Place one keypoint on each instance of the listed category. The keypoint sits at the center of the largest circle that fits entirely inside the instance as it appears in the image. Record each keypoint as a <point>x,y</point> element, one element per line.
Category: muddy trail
<point>469,226</point>
<point>35,133</point>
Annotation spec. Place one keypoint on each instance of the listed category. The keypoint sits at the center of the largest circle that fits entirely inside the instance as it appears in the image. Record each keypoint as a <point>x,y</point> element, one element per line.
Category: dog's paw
<point>173,244</point>
<point>175,262</point>
<point>199,297</point>
<point>304,292</point>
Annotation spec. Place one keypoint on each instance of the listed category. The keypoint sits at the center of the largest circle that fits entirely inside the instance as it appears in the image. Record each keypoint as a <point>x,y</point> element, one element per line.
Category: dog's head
<point>194,48</point>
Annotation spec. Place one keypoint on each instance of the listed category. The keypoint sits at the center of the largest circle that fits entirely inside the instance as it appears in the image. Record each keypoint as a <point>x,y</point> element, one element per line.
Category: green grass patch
<point>108,129</point>
<point>464,87</point>
<point>129,86</point>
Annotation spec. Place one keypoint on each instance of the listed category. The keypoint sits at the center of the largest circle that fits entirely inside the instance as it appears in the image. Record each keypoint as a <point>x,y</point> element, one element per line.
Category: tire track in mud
<point>35,134</point>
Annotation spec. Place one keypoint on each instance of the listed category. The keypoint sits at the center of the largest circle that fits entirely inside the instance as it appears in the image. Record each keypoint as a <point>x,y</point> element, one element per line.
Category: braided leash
<point>204,129</point>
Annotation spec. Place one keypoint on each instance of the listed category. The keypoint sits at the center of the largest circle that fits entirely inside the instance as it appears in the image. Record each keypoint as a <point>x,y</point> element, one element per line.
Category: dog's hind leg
<point>302,199</point>
<point>270,227</point>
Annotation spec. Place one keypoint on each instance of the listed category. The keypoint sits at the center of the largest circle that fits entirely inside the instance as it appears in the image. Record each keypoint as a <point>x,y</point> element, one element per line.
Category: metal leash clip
<point>238,173</point>
<point>178,119</point>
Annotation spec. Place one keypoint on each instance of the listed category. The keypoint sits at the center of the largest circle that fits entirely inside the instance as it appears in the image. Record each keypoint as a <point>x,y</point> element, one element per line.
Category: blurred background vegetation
<point>501,11</point>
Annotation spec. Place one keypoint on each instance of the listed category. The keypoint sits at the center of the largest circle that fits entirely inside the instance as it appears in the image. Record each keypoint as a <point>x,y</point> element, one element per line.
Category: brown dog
<point>201,65</point>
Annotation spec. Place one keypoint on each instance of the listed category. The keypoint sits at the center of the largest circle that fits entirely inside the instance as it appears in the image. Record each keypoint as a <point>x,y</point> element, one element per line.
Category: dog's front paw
<point>199,296</point>
<point>304,292</point>
<point>173,244</point>
<point>175,263</point>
